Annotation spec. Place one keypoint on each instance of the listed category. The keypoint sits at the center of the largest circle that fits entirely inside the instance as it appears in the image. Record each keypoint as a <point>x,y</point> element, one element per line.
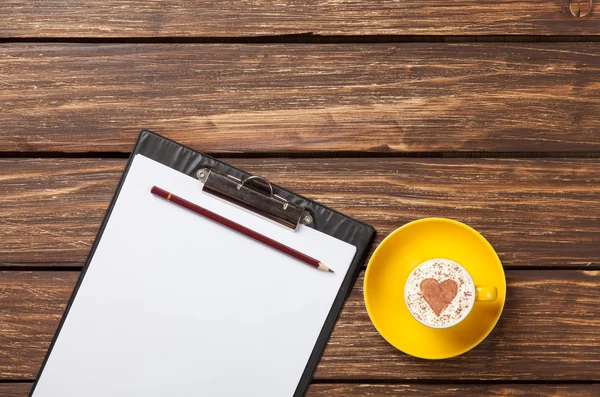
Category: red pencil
<point>239,228</point>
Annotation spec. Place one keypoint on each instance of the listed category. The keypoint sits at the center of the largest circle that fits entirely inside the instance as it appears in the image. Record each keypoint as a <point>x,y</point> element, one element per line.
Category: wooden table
<point>484,111</point>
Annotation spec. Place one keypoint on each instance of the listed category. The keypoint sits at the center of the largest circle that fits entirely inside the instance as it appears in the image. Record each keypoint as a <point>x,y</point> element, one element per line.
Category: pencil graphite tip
<point>324,268</point>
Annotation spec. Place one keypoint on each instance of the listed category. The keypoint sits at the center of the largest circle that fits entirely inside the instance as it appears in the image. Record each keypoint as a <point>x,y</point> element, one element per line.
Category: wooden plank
<point>539,212</point>
<point>126,18</point>
<point>15,389</point>
<point>51,209</point>
<point>442,390</point>
<point>31,306</point>
<point>391,98</point>
<point>550,330</point>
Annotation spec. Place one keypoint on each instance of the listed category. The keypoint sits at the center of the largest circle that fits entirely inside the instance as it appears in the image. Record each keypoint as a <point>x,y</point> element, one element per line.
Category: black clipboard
<point>317,216</point>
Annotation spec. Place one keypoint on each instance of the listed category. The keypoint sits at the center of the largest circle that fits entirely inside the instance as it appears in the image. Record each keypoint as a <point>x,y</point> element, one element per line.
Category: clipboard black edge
<point>188,161</point>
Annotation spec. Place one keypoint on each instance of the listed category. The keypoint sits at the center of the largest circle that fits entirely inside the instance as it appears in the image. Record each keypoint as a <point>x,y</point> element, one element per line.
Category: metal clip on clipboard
<point>256,194</point>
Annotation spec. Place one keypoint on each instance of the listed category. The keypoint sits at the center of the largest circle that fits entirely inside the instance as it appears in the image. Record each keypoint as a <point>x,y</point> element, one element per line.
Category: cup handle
<point>486,294</point>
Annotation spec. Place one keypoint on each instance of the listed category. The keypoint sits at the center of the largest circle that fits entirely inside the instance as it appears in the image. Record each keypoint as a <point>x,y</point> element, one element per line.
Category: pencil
<point>240,228</point>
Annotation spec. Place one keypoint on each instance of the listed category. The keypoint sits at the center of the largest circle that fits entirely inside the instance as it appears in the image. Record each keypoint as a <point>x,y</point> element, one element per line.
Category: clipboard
<point>251,198</point>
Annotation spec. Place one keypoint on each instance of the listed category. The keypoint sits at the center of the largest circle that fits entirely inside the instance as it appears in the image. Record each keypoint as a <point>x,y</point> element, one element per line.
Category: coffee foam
<point>440,270</point>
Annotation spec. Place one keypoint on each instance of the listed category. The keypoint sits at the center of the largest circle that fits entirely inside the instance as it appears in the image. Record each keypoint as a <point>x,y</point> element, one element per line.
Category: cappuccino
<point>439,293</point>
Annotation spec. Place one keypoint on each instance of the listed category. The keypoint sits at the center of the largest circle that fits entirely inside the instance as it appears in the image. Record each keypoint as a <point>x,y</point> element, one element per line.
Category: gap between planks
<point>310,38</point>
<point>319,155</point>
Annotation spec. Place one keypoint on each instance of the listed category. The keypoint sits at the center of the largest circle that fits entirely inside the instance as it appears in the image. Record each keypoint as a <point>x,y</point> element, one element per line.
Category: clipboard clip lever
<point>256,194</point>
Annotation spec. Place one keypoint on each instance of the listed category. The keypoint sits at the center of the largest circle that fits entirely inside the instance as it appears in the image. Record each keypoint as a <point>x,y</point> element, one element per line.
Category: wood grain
<point>391,98</point>
<point>550,330</point>
<point>540,212</point>
<point>15,389</point>
<point>440,390</point>
<point>192,18</point>
<point>31,306</point>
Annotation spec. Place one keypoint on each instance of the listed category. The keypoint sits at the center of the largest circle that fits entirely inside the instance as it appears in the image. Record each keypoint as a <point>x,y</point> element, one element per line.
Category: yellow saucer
<point>394,259</point>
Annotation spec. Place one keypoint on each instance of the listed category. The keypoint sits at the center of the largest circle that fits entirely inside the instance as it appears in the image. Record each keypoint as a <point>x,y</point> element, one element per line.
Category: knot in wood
<point>580,8</point>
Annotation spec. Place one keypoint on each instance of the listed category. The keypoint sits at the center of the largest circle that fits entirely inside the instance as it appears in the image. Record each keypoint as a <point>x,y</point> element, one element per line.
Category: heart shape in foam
<point>438,295</point>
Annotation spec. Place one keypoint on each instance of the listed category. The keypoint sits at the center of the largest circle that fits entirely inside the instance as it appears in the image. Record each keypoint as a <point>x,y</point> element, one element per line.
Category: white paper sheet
<point>173,304</point>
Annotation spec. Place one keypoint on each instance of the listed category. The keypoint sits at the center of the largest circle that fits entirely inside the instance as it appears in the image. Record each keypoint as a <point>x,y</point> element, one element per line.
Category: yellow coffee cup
<point>408,247</point>
<point>440,293</point>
